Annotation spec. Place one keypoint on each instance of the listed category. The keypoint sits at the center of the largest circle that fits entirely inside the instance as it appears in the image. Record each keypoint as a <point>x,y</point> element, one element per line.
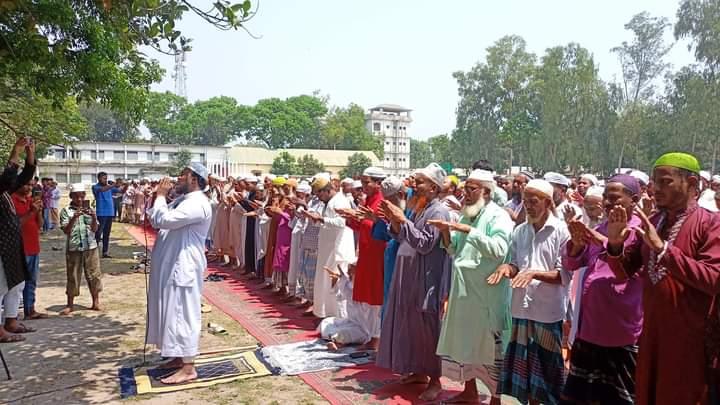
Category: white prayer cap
<point>716,178</point>
<point>434,172</point>
<point>198,169</point>
<point>260,187</point>
<point>642,177</point>
<point>347,180</point>
<point>77,187</point>
<point>390,186</point>
<point>304,187</point>
<point>356,184</point>
<point>374,172</point>
<point>705,175</point>
<point>251,179</point>
<point>542,186</point>
<point>557,178</point>
<point>595,191</point>
<point>481,175</point>
<point>146,178</point>
<point>591,178</point>
<point>270,176</point>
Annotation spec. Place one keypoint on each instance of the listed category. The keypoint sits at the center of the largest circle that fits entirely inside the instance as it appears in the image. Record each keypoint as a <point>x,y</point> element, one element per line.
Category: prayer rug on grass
<point>309,357</point>
<point>218,369</point>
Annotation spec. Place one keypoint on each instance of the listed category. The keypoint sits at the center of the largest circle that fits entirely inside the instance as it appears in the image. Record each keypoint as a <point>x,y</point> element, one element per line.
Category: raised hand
<point>578,233</point>
<point>569,213</point>
<point>393,212</point>
<point>366,213</point>
<point>164,187</point>
<point>464,228</point>
<point>439,224</point>
<point>503,271</point>
<point>649,232</point>
<point>617,228</point>
<point>648,205</point>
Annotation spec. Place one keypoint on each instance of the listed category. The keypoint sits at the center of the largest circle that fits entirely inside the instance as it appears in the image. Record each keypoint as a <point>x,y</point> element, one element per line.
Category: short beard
<point>183,188</point>
<point>472,211</point>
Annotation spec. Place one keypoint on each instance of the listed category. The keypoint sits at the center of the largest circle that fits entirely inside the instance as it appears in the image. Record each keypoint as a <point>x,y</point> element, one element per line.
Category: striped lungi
<point>306,274</point>
<point>600,374</point>
<point>533,366</point>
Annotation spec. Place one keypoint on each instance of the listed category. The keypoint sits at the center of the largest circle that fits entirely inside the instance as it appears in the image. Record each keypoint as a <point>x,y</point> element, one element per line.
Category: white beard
<point>402,204</point>
<point>472,211</point>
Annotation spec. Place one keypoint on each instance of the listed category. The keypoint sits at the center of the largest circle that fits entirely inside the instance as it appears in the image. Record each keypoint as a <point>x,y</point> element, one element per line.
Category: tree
<point>698,21</point>
<point>357,163</point>
<point>344,128</point>
<point>92,49</point>
<point>282,123</point>
<point>420,153</point>
<point>180,161</point>
<point>284,163</point>
<point>104,125</point>
<point>308,166</point>
<point>161,118</point>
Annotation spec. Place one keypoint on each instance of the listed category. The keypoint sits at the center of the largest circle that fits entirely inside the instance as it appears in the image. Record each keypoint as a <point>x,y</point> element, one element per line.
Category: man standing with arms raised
<point>679,252</point>
<point>178,262</point>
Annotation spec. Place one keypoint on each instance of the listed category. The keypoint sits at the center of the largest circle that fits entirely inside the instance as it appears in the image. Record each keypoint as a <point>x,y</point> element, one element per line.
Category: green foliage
<point>344,128</point>
<point>357,163</point>
<point>104,125</point>
<point>438,149</point>
<point>309,166</point>
<point>284,163</point>
<point>180,161</point>
<point>420,153</point>
<point>699,21</point>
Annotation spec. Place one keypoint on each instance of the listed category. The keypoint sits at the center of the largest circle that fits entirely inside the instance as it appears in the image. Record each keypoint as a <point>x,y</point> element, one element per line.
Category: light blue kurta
<point>476,309</point>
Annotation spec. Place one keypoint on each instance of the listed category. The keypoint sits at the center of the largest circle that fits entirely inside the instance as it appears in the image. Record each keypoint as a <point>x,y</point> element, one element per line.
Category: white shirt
<point>707,200</point>
<point>55,198</point>
<point>560,209</point>
<point>540,251</point>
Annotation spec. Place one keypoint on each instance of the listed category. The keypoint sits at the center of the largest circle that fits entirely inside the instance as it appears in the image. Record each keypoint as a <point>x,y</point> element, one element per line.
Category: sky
<point>403,52</point>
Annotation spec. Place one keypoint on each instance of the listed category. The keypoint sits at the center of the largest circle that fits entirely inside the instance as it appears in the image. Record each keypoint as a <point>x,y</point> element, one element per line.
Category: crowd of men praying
<point>545,288</point>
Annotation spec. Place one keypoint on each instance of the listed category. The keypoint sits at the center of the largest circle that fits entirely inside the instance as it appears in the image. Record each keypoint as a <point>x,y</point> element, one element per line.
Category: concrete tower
<point>392,123</point>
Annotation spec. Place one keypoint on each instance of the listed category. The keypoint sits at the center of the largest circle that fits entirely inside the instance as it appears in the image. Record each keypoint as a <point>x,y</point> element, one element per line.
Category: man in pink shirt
<point>604,353</point>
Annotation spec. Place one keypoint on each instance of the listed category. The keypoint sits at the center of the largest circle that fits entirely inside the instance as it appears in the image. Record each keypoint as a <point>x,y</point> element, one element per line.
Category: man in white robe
<point>178,263</point>
<point>336,245</point>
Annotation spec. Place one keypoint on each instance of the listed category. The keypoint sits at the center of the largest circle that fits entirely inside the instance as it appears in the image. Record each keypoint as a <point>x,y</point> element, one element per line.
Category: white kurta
<point>178,263</point>
<point>336,246</point>
<point>298,225</point>
<point>347,327</point>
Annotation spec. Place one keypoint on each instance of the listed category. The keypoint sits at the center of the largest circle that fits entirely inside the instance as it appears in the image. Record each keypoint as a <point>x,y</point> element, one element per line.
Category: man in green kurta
<point>477,313</point>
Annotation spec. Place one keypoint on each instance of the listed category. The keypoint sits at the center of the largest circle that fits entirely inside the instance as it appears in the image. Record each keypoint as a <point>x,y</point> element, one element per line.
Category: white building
<point>392,122</point>
<point>80,162</point>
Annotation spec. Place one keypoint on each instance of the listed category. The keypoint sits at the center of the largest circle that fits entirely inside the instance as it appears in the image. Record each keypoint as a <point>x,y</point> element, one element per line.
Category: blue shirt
<point>103,200</point>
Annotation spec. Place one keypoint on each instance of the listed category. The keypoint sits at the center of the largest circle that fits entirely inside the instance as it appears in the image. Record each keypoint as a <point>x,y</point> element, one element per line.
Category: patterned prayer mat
<point>218,369</point>
<point>309,357</point>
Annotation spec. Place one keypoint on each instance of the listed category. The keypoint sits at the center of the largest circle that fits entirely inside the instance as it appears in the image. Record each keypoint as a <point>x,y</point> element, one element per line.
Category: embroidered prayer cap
<point>356,184</point>
<point>628,181</point>
<point>541,186</point>
<point>198,169</point>
<point>434,172</point>
<point>591,178</point>
<point>680,160</point>
<point>77,187</point>
<point>595,191</point>
<point>557,178</point>
<point>374,172</point>
<point>251,179</point>
<point>390,186</point>
<point>279,181</point>
<point>304,187</point>
<point>527,173</point>
<point>320,181</point>
<point>642,177</point>
<point>481,175</point>
<point>705,175</point>
<point>347,180</point>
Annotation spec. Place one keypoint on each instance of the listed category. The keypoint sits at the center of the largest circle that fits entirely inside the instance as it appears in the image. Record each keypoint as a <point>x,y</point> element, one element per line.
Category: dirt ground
<point>75,359</point>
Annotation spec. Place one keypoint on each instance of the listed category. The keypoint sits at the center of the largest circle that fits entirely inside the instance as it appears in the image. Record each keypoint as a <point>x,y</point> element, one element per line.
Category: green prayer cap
<point>680,160</point>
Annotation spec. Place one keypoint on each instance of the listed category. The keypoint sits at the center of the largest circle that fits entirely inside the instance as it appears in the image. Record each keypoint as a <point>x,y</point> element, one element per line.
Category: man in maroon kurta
<point>679,254</point>
<point>368,283</point>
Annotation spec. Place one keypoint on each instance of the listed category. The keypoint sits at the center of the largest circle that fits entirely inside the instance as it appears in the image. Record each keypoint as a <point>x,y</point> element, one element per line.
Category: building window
<point>93,155</point>
<point>74,154</point>
<point>132,156</point>
<point>118,155</point>
<point>387,126</point>
<point>75,178</point>
<point>59,154</point>
<point>376,126</point>
<point>157,156</point>
<point>61,177</point>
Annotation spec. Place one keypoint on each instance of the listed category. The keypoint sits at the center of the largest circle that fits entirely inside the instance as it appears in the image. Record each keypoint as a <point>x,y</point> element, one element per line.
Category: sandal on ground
<point>36,315</point>
<point>21,328</point>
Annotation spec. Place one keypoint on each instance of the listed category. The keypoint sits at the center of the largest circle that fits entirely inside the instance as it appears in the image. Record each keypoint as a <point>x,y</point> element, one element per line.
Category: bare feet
<point>373,345</point>
<point>98,307</point>
<point>67,311</point>
<point>332,346</point>
<point>415,379</point>
<point>308,313</point>
<point>463,398</point>
<point>8,338</point>
<point>17,327</point>
<point>185,374</point>
<point>306,304</point>
<point>433,390</point>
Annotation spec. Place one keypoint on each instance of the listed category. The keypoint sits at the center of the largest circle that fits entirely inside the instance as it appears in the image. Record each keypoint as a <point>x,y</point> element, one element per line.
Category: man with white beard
<point>178,262</point>
<point>478,313</point>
